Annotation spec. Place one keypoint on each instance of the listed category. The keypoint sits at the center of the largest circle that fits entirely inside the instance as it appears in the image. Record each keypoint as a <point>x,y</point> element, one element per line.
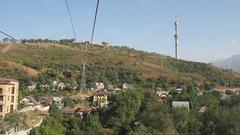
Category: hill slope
<point>31,60</point>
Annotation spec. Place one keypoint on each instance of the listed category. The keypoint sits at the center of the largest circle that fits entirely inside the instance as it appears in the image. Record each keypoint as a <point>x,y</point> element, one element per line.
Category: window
<point>11,108</point>
<point>8,98</point>
<point>13,90</point>
<point>12,99</point>
<point>1,98</point>
<point>1,108</point>
<point>1,91</point>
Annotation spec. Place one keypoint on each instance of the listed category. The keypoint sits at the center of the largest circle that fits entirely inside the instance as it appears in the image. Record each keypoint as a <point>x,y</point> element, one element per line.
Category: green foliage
<point>125,107</point>
<point>54,112</point>
<point>88,126</point>
<point>50,126</point>
<point>68,102</point>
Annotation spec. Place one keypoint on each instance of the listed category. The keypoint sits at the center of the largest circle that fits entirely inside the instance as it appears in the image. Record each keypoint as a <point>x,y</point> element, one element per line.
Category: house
<point>32,87</point>
<point>180,104</point>
<point>203,109</point>
<point>225,96</point>
<point>117,89</point>
<point>29,101</point>
<point>54,83</point>
<point>58,102</point>
<point>46,101</point>
<point>99,86</point>
<point>162,94</point>
<point>8,96</point>
<point>100,98</point>
<point>44,86</point>
<point>179,90</point>
<point>110,87</point>
<point>61,86</point>
<point>67,111</point>
<point>124,86</point>
<point>82,112</point>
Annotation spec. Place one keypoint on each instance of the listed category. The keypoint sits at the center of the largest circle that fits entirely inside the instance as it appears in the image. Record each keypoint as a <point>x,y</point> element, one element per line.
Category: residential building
<point>67,111</point>
<point>32,87</point>
<point>162,94</point>
<point>29,101</point>
<point>100,98</point>
<point>179,90</point>
<point>124,86</point>
<point>100,86</point>
<point>180,104</point>
<point>61,86</point>
<point>8,96</point>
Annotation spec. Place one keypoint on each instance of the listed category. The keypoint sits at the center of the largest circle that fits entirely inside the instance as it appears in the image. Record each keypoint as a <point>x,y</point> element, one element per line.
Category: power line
<point>95,19</point>
<point>71,20</point>
<point>9,36</point>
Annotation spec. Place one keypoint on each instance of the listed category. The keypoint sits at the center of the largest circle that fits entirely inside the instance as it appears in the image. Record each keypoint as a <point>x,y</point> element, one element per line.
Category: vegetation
<point>137,111</point>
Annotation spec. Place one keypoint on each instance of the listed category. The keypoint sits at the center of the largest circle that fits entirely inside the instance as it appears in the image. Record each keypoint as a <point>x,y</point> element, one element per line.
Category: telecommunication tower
<point>176,36</point>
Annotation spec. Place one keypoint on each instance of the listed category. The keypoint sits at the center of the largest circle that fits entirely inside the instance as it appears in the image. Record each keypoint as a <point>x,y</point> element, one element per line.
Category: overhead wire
<point>95,19</point>
<point>12,37</point>
<point>9,36</point>
<point>71,20</point>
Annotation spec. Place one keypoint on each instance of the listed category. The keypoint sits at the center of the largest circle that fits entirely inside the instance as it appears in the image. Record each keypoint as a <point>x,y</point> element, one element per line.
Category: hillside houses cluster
<point>55,85</point>
<point>58,85</point>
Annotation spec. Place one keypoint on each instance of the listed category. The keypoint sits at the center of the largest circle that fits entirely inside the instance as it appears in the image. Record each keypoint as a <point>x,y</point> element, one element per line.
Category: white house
<point>32,87</point>
<point>61,86</point>
<point>179,90</point>
<point>99,86</point>
<point>124,86</point>
<point>58,102</point>
<point>180,104</point>
<point>162,94</point>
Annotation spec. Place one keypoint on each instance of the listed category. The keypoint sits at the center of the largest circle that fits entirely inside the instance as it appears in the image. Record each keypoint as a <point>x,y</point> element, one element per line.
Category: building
<point>124,86</point>
<point>67,111</point>
<point>100,86</point>
<point>180,104</point>
<point>32,87</point>
<point>162,94</point>
<point>100,98</point>
<point>29,101</point>
<point>8,96</point>
<point>179,90</point>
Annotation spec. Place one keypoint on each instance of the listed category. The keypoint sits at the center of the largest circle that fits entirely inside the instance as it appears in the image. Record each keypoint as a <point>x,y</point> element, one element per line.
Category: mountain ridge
<point>232,63</point>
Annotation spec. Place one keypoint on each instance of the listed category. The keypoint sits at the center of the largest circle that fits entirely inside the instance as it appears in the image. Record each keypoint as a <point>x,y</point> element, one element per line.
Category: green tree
<point>50,126</point>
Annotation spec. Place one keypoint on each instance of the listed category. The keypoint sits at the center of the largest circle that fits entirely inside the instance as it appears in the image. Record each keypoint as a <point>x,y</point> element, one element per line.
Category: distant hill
<point>229,63</point>
<point>19,61</point>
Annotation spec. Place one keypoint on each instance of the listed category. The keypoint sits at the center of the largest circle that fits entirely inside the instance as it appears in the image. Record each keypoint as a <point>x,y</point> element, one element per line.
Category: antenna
<point>176,36</point>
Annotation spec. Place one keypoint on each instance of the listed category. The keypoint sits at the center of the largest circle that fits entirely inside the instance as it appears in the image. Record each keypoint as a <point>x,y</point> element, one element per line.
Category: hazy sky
<point>209,29</point>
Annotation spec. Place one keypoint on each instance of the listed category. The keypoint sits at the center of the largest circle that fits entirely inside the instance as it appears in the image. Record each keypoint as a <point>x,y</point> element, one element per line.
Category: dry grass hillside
<point>29,60</point>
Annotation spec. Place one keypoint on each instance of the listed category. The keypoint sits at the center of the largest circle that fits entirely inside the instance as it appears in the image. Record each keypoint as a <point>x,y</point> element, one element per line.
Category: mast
<point>176,36</point>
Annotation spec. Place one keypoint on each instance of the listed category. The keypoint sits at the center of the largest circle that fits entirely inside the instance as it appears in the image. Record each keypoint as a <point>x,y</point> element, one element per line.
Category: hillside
<point>229,63</point>
<point>29,61</point>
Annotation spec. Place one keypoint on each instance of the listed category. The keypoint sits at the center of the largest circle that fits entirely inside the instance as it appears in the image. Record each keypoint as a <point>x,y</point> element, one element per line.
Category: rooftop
<point>7,81</point>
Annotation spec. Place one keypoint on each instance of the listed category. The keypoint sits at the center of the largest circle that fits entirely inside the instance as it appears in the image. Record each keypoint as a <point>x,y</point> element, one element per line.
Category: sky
<point>209,29</point>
